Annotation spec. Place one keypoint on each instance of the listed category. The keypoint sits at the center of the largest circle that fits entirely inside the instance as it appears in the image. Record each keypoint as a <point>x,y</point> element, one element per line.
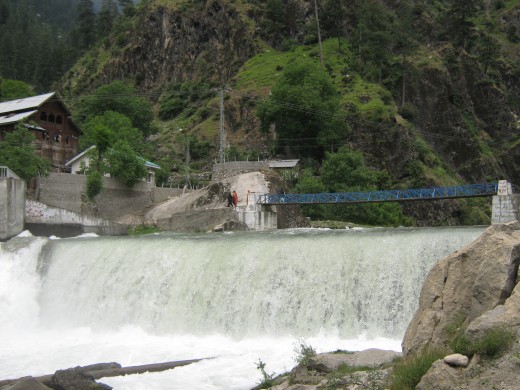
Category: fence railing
<point>6,172</point>
<point>465,191</point>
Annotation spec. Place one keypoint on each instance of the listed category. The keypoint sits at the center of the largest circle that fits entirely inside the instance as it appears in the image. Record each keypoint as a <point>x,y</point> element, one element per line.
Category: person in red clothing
<point>235,198</point>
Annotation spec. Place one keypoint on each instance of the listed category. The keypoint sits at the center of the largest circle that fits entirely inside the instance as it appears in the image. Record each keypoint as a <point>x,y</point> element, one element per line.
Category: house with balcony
<point>47,117</point>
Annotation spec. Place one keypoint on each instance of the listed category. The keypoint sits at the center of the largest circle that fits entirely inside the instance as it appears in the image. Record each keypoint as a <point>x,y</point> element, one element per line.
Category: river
<point>236,297</point>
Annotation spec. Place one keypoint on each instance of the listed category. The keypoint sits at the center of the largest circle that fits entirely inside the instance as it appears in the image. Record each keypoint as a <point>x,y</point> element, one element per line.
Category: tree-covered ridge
<point>425,91</point>
<point>41,40</point>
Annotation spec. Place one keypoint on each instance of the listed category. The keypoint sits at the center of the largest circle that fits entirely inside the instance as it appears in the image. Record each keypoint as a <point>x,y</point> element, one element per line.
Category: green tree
<point>334,19</point>
<point>125,164</point>
<point>106,17</point>
<point>122,98</point>
<point>273,21</point>
<point>18,153</point>
<point>373,38</point>
<point>345,171</point>
<point>458,21</point>
<point>308,183</point>
<point>120,127</point>
<point>14,89</point>
<point>488,51</point>
<point>304,108</point>
<point>94,183</point>
<point>86,23</point>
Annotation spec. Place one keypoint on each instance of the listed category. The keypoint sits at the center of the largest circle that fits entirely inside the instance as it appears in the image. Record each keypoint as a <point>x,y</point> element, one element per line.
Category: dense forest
<point>367,94</point>
<point>41,40</point>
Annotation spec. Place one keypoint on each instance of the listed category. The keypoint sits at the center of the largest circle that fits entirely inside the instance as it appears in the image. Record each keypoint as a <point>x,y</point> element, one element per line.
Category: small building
<point>78,164</point>
<point>57,137</point>
<point>283,164</point>
<point>288,169</point>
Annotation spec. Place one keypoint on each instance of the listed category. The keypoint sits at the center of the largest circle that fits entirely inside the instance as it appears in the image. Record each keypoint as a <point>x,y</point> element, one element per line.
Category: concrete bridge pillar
<point>257,216</point>
<point>12,204</point>
<point>505,204</point>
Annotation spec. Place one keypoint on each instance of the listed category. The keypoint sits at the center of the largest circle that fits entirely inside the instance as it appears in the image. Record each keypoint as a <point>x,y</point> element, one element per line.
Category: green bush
<point>491,344</point>
<point>408,111</point>
<point>304,352</point>
<point>138,230</point>
<point>170,108</point>
<point>94,184</point>
<point>267,379</point>
<point>408,372</point>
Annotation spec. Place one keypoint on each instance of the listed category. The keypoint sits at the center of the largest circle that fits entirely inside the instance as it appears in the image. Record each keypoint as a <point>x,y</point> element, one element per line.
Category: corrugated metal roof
<point>149,164</point>
<point>78,156</point>
<point>25,103</point>
<point>7,119</point>
<point>282,163</point>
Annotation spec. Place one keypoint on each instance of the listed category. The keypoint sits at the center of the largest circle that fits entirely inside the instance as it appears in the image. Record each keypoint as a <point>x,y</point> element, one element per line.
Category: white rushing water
<point>235,297</point>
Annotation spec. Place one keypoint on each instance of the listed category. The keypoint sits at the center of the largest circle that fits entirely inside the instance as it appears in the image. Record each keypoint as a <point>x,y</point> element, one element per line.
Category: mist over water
<point>237,297</point>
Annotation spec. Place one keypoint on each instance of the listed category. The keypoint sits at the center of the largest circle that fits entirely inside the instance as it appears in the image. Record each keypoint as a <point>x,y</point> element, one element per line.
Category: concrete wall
<point>12,207</point>
<point>41,214</point>
<point>257,217</point>
<point>116,199</point>
<point>61,190</point>
<point>223,170</point>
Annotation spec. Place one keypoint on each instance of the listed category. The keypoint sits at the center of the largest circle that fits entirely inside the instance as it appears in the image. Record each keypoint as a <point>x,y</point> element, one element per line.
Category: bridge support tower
<point>12,204</point>
<point>505,204</point>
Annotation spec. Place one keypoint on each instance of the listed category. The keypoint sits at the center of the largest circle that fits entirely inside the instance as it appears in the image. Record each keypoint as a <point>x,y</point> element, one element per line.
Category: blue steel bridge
<point>435,193</point>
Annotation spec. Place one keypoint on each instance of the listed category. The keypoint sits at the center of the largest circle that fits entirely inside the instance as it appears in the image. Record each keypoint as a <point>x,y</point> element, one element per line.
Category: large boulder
<point>472,288</point>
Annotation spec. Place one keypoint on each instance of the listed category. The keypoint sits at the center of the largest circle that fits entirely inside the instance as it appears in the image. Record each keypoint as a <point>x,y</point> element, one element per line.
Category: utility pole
<point>188,159</point>
<point>319,33</point>
<point>222,129</point>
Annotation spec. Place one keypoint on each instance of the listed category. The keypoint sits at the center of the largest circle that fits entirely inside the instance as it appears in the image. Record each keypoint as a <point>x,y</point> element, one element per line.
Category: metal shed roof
<point>14,118</point>
<point>283,163</point>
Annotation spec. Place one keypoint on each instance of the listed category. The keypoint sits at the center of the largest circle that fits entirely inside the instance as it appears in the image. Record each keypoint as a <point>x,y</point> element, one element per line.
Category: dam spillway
<point>234,296</point>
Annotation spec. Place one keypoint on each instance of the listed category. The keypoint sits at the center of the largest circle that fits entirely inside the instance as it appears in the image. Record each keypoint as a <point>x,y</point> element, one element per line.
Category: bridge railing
<point>464,191</point>
<point>6,172</point>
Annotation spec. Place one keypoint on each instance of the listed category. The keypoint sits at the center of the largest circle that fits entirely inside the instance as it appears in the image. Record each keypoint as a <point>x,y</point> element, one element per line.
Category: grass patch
<point>407,373</point>
<point>138,230</point>
<point>491,344</point>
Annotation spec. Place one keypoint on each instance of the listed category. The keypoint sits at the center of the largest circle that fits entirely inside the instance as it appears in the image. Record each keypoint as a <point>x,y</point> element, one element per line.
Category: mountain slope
<point>437,112</point>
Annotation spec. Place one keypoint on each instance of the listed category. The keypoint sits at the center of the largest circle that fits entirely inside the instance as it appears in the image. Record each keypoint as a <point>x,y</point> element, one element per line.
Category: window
<point>58,119</point>
<point>43,116</point>
<point>51,118</point>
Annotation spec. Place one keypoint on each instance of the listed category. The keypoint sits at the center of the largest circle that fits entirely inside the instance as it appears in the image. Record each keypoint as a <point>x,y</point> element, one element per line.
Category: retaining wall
<point>66,191</point>
<point>59,220</point>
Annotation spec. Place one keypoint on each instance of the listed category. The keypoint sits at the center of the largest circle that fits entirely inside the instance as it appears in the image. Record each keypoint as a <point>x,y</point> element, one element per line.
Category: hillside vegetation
<point>410,94</point>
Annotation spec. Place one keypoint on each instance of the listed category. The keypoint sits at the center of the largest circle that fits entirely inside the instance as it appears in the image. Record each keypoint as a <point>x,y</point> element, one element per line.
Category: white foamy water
<point>235,298</point>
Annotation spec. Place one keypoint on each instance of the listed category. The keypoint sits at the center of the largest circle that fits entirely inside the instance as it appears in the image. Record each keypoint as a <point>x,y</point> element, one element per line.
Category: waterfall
<point>167,296</point>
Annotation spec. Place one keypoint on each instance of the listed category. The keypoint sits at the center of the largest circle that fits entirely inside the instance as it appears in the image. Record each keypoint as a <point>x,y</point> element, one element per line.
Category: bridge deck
<point>435,193</point>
